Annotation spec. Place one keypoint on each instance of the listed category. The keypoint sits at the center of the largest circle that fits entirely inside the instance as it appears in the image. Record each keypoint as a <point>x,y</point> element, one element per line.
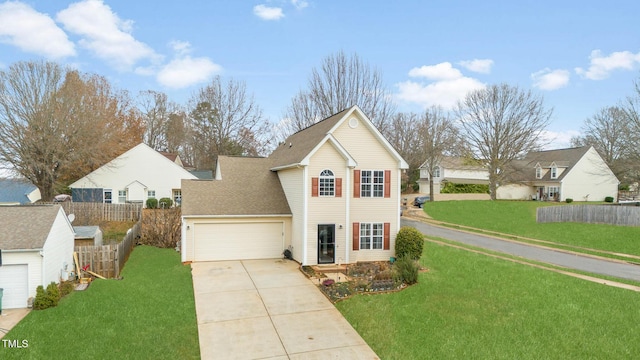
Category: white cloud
<point>547,79</point>
<point>268,13</point>
<point>600,66</point>
<point>448,86</point>
<point>105,34</point>
<point>442,71</point>
<point>444,93</point>
<point>187,71</point>
<point>477,65</point>
<point>34,32</point>
<point>300,4</point>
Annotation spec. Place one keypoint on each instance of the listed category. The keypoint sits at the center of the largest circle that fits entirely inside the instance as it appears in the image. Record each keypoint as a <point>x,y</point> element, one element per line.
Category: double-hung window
<point>151,194</point>
<point>372,183</point>
<point>371,235</point>
<point>554,172</point>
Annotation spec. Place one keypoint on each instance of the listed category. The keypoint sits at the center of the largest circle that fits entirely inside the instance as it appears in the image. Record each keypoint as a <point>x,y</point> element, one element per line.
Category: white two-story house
<point>329,193</point>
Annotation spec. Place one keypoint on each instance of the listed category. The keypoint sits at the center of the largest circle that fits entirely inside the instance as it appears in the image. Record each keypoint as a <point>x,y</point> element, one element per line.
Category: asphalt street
<point>568,260</point>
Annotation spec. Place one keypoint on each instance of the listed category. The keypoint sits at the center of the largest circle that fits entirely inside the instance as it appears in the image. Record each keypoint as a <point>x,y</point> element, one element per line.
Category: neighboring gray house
<point>18,192</point>
<point>575,173</point>
<point>36,243</point>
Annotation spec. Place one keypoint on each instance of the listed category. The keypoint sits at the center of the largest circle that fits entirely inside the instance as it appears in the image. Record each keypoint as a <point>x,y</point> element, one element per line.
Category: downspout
<point>347,225</point>
<point>305,215</point>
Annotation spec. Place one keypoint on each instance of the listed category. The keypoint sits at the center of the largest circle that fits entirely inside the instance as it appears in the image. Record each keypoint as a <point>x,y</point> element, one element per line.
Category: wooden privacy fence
<point>108,260</point>
<point>594,214</point>
<point>87,212</point>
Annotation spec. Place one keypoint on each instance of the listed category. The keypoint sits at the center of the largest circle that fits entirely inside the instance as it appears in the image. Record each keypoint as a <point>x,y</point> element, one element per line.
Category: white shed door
<point>238,241</point>
<point>14,279</point>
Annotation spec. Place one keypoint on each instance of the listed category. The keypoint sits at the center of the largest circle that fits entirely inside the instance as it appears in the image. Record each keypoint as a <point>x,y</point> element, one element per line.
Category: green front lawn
<point>150,314</point>
<point>519,218</point>
<point>469,306</point>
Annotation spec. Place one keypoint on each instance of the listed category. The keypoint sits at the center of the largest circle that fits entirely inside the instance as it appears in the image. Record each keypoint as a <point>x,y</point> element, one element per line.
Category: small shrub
<point>409,242</point>
<point>53,294</point>
<point>165,203</point>
<point>406,270</point>
<point>41,301</point>
<point>152,203</point>
<point>569,200</point>
<point>66,288</point>
<point>608,199</point>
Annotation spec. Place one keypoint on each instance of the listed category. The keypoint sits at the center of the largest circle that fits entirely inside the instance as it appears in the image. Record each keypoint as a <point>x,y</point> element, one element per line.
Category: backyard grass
<point>519,218</point>
<point>469,306</point>
<point>150,314</point>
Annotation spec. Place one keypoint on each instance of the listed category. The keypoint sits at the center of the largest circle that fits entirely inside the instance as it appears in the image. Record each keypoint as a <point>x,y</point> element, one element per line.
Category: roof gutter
<point>235,216</point>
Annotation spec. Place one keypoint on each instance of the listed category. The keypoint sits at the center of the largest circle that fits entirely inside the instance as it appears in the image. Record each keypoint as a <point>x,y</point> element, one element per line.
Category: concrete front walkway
<point>267,309</point>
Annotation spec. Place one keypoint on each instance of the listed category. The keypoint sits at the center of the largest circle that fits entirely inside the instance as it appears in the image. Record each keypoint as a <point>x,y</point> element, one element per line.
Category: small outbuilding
<point>88,235</point>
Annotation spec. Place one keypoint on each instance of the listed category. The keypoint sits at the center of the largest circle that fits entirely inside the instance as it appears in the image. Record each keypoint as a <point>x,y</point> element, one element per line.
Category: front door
<point>326,244</point>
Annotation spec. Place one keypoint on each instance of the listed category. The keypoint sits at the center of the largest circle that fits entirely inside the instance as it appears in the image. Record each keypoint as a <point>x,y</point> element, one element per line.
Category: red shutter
<point>338,187</point>
<point>356,183</point>
<point>356,236</point>
<point>387,183</point>
<point>387,236</point>
<point>314,186</point>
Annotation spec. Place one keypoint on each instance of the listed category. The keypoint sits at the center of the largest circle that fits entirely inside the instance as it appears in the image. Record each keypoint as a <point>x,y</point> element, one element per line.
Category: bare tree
<point>439,137</point>
<point>57,125</point>
<point>225,120</point>
<point>608,132</point>
<point>631,110</point>
<point>502,123</point>
<point>163,120</point>
<point>340,82</point>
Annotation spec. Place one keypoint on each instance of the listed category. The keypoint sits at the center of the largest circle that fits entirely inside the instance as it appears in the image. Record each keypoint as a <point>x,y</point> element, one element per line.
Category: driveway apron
<point>267,309</point>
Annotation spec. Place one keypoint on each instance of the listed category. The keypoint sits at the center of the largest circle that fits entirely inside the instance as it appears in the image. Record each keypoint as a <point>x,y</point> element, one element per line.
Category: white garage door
<point>238,241</point>
<point>14,279</point>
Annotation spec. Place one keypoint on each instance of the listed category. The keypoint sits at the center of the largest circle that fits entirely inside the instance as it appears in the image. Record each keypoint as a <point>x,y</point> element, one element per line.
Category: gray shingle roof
<point>15,191</point>
<point>26,227</point>
<point>297,146</point>
<point>566,158</point>
<point>247,187</point>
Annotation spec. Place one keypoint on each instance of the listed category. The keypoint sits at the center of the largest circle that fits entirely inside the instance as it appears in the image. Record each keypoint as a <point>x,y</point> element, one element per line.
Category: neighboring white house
<point>329,193</point>
<point>36,248</point>
<point>18,192</point>
<point>133,177</point>
<point>456,170</point>
<point>576,173</point>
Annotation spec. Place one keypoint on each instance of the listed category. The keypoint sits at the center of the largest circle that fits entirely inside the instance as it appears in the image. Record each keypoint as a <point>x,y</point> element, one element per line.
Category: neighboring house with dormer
<point>133,177</point>
<point>457,170</point>
<point>576,173</point>
<point>18,192</point>
<point>330,193</point>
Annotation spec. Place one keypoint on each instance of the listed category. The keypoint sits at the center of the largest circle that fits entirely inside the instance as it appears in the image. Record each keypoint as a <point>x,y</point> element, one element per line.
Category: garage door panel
<point>238,241</point>
<point>14,279</point>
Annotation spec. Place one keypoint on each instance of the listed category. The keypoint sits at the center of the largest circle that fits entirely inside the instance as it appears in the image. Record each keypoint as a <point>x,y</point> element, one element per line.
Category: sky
<point>580,56</point>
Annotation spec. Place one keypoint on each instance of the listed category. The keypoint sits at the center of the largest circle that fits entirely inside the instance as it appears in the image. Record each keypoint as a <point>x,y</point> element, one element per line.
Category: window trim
<point>436,172</point>
<point>329,189</point>
<point>373,186</point>
<point>149,196</point>
<point>374,237</point>
<point>554,172</point>
<point>538,172</point>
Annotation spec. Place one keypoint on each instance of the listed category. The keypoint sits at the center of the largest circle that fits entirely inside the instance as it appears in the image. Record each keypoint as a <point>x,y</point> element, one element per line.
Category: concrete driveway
<point>267,309</point>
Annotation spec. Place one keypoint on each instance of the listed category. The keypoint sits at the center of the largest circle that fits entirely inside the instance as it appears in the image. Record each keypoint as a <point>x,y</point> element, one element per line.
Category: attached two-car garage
<point>217,240</point>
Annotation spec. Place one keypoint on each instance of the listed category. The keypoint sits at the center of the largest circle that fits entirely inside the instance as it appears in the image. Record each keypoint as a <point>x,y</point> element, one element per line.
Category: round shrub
<point>409,243</point>
<point>53,293</point>
<point>165,203</point>
<point>608,199</point>
<point>152,203</point>
<point>569,200</point>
